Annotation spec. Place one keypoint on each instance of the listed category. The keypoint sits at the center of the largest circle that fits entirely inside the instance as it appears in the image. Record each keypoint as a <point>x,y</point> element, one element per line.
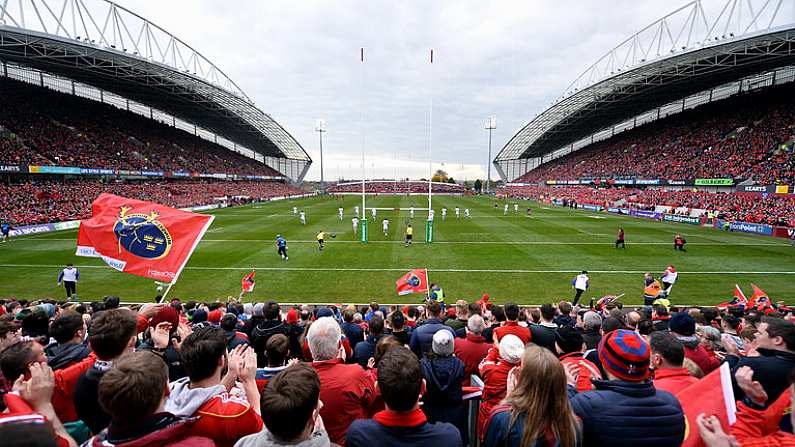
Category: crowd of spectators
<point>396,187</point>
<point>38,202</point>
<point>748,136</point>
<point>204,374</point>
<point>774,209</point>
<point>39,126</point>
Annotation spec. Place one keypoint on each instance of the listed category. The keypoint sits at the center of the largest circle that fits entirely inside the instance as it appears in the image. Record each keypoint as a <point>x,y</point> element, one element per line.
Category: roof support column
<point>73,88</point>
<point>41,79</point>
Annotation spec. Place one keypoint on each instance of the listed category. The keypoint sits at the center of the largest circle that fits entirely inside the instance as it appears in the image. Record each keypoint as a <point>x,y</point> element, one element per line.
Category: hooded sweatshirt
<point>265,438</point>
<point>62,355</point>
<point>225,416</point>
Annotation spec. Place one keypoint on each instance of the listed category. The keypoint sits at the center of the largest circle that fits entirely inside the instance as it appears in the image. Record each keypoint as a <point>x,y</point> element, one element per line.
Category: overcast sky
<point>299,61</point>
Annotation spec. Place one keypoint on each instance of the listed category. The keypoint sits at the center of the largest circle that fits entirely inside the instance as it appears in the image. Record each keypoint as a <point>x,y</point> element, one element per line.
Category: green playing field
<point>514,257</point>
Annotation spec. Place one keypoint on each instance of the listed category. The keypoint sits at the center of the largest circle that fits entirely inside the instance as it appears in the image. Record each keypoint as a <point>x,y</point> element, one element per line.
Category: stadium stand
<point>750,136</point>
<point>744,207</point>
<point>396,187</point>
<point>43,202</point>
<point>43,127</point>
<point>273,402</point>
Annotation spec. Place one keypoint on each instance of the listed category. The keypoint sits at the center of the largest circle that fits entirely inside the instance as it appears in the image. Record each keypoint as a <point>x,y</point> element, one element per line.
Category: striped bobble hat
<point>625,354</point>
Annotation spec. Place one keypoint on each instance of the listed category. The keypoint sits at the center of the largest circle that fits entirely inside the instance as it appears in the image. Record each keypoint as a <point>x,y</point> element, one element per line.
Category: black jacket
<point>770,370</point>
<point>353,332</point>
<point>629,414</point>
<point>62,355</point>
<point>86,400</point>
<point>544,336</point>
<point>260,335</point>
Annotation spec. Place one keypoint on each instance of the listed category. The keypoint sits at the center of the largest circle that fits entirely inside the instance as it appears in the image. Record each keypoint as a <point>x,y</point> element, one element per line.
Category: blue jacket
<point>500,432</point>
<point>442,401</point>
<point>422,338</point>
<point>629,414</point>
<point>353,332</point>
<point>369,433</point>
<point>364,350</point>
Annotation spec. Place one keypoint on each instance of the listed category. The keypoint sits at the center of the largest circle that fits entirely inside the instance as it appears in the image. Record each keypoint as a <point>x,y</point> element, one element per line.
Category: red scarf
<point>391,418</point>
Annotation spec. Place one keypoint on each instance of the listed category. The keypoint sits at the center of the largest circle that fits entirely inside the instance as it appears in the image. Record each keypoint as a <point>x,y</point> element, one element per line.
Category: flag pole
<point>361,84</point>
<point>430,134</point>
<point>428,285</point>
<point>195,244</point>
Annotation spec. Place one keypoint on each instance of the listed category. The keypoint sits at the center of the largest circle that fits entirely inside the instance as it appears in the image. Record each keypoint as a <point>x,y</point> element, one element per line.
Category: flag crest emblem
<point>413,280</point>
<point>142,235</point>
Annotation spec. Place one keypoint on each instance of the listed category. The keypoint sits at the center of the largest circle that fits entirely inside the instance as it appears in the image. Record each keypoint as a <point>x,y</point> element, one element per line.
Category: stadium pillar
<point>320,127</point>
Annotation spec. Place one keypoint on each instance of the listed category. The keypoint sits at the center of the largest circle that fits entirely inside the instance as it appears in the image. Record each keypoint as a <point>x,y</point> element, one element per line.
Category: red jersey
<point>620,236</point>
<point>494,372</point>
<point>347,392</point>
<point>584,370</point>
<point>225,419</point>
<point>513,328</point>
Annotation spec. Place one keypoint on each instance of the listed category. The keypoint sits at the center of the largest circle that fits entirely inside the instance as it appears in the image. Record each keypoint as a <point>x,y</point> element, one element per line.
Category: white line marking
<point>405,269</point>
<point>308,241</point>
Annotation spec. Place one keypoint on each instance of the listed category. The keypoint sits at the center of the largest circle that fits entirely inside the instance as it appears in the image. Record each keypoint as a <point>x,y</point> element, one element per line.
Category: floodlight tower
<point>320,127</point>
<point>491,124</point>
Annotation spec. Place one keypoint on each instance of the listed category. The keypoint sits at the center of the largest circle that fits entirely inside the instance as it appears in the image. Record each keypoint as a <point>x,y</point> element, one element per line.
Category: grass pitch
<point>527,260</point>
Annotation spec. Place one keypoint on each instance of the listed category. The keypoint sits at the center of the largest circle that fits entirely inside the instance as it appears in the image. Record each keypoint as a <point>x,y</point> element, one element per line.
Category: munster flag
<point>248,282</point>
<point>141,238</point>
<point>739,299</point>
<point>415,281</point>
<point>759,299</point>
<point>713,394</point>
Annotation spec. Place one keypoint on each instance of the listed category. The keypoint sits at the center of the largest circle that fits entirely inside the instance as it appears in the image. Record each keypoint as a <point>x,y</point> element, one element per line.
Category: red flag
<point>415,281</point>
<point>738,300</point>
<point>248,282</point>
<point>711,395</point>
<point>141,238</point>
<point>759,299</point>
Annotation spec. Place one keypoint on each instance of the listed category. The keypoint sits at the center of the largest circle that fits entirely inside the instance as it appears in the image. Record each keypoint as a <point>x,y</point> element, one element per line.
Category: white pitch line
<point>344,269</point>
<point>308,241</point>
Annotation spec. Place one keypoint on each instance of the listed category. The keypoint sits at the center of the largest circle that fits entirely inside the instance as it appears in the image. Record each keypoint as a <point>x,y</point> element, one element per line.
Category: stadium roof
<point>686,52</point>
<point>104,45</point>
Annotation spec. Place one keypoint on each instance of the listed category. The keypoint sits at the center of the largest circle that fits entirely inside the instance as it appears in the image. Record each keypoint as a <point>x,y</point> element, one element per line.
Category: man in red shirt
<point>472,349</point>
<point>345,390</point>
<point>511,325</point>
<point>667,356</point>
<point>226,413</point>
<point>19,357</point>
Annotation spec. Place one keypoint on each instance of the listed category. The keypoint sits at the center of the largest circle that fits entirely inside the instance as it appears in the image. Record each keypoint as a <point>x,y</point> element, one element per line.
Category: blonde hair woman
<point>536,411</point>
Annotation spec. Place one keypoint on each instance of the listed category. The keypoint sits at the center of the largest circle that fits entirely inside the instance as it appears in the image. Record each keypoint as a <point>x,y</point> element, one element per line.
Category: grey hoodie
<point>265,438</point>
<point>184,401</point>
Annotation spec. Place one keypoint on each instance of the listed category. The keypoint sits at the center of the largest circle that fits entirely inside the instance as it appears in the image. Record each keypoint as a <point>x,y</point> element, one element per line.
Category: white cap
<point>511,348</point>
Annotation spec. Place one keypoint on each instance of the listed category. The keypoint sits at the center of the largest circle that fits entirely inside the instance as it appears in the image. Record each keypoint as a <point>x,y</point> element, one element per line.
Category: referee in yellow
<point>320,239</point>
<point>409,234</point>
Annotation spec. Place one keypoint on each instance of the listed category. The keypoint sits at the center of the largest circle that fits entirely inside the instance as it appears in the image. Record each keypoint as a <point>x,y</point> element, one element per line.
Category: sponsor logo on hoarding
<point>714,182</point>
<point>682,219</point>
<point>782,189</point>
<point>624,182</point>
<point>32,229</point>
<point>97,171</point>
<point>618,210</point>
<point>152,173</point>
<point>753,188</point>
<point>6,168</point>
<point>180,174</point>
<point>551,182</point>
<point>53,170</point>
<point>647,182</point>
<point>591,207</point>
<point>746,227</point>
<point>646,214</point>
<point>677,182</point>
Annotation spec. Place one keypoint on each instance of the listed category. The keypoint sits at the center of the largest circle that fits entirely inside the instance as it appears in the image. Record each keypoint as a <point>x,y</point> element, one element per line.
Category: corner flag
<point>415,281</point>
